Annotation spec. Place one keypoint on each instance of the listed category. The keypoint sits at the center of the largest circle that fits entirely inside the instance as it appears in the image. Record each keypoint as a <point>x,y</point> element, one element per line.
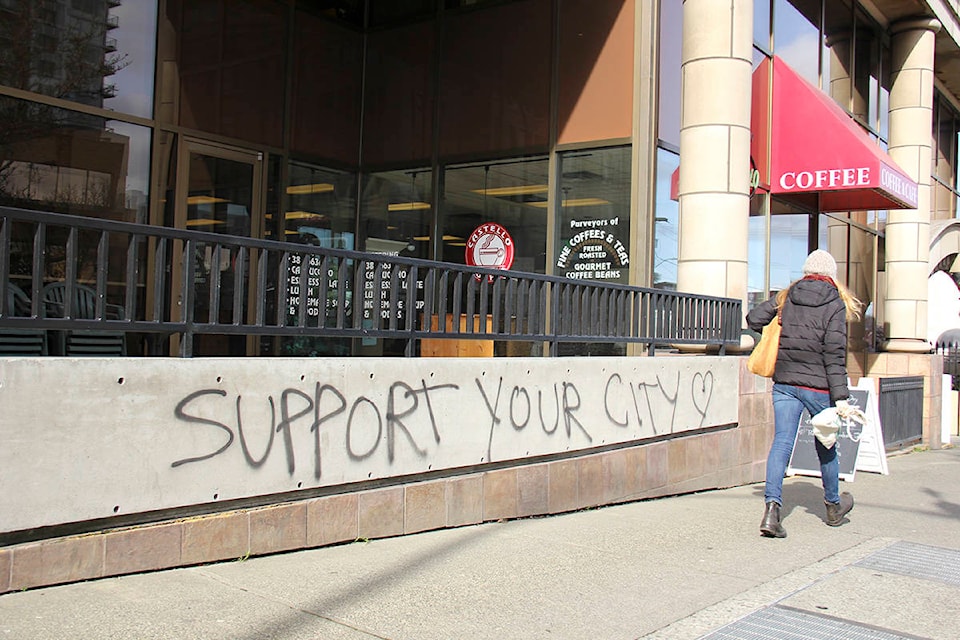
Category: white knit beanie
<point>820,263</point>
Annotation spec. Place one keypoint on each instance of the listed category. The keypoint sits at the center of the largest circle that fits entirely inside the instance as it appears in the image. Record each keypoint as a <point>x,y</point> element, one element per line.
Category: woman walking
<point>811,373</point>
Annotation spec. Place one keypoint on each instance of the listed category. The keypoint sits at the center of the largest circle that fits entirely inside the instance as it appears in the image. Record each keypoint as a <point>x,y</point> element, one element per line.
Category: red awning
<point>820,157</point>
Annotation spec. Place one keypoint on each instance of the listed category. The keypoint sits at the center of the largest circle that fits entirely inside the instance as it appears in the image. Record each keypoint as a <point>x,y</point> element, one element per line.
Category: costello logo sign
<point>490,245</point>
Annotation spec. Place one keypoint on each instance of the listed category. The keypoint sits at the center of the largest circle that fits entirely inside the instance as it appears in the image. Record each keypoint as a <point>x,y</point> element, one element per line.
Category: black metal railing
<point>119,277</point>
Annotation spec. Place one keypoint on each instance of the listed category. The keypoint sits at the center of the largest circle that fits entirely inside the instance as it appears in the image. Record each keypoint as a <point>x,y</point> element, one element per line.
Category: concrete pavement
<point>676,568</point>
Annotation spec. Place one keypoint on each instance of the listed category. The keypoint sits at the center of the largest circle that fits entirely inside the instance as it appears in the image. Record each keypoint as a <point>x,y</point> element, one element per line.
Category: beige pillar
<point>908,230</point>
<point>716,66</point>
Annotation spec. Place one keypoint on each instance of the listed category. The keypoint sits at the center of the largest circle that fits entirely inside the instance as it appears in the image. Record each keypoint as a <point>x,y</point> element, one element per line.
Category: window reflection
<point>69,162</point>
<point>96,52</point>
<point>837,36</point>
<point>756,260</point>
<point>946,124</point>
<point>761,24</point>
<point>666,239</point>
<point>796,36</point>
<point>671,36</point>
<point>788,248</point>
<point>131,51</point>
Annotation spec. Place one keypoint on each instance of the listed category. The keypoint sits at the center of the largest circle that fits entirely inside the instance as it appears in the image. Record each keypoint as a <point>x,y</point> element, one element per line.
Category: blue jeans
<point>788,404</point>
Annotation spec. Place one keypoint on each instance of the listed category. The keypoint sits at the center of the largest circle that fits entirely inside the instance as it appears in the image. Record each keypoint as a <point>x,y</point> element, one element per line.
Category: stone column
<point>908,230</point>
<point>714,182</point>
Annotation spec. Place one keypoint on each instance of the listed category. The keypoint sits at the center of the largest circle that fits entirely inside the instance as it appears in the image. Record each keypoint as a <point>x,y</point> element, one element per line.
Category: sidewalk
<point>670,569</point>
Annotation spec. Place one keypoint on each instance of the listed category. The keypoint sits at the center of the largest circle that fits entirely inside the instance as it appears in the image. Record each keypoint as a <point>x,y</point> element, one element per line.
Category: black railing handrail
<point>355,294</point>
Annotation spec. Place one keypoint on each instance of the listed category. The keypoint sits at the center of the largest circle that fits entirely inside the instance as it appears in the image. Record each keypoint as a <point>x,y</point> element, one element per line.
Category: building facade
<point>400,127</point>
<point>695,145</point>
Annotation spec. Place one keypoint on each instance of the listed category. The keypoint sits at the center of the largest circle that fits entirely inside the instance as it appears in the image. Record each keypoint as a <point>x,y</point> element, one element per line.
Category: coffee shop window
<point>396,213</point>
<point>319,212</point>
<point>593,238</point>
<point>321,206</point>
<point>511,193</point>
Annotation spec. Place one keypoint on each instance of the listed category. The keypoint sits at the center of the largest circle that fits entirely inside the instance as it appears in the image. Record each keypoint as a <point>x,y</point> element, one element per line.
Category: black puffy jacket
<point>813,337</point>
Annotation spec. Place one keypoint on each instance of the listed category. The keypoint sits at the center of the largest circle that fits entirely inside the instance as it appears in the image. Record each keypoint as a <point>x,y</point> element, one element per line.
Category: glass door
<point>218,191</point>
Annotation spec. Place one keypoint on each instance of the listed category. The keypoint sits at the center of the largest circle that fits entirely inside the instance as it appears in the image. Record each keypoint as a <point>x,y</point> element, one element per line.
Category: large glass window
<point>396,213</point>
<point>383,12</point>
<point>666,237</point>
<point>594,215</point>
<point>761,24</point>
<point>321,207</point>
<point>320,211</point>
<point>495,75</point>
<point>788,248</point>
<point>511,193</point>
<point>946,125</point>
<point>866,65</point>
<point>399,96</point>
<point>757,291</point>
<point>671,38</point>
<point>796,36</point>
<point>100,54</point>
<point>325,118</point>
<point>69,162</point>
<point>131,54</point>
<point>837,52</point>
<point>229,55</point>
<point>396,218</point>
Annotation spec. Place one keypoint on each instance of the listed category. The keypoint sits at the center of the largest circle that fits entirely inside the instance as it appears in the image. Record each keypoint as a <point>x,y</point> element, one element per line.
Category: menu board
<point>376,291</point>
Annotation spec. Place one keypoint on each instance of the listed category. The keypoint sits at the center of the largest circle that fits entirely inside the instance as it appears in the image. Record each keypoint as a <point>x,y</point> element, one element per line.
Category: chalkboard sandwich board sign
<point>854,441</point>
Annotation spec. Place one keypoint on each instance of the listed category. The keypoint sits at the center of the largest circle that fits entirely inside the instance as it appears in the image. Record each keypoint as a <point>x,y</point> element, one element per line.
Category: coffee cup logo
<point>490,245</point>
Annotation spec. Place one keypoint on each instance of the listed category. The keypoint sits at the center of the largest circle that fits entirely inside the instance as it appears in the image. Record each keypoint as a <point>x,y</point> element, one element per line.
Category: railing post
<point>5,225</point>
<point>186,299</point>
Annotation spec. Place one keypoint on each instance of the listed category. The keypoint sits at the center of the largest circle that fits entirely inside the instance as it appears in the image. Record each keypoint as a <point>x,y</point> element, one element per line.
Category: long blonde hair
<point>850,301</point>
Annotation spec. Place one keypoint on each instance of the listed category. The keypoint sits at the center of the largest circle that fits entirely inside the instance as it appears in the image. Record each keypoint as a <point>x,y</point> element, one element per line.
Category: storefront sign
<point>897,184</point>
<point>825,179</point>
<point>490,245</point>
<point>594,251</point>
<point>815,147</point>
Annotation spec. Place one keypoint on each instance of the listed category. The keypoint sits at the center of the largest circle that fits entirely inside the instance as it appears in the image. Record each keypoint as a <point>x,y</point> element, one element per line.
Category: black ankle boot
<point>770,526</point>
<point>836,512</point>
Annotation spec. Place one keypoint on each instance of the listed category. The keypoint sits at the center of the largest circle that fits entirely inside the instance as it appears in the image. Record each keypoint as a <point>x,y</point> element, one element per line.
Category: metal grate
<point>917,561</point>
<point>778,623</point>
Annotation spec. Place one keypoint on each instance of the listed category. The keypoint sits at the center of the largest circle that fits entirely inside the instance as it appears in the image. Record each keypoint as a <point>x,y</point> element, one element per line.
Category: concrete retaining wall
<point>629,418</point>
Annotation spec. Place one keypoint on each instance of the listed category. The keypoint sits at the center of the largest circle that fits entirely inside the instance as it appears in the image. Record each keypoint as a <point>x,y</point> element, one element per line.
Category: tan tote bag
<point>763,360</point>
